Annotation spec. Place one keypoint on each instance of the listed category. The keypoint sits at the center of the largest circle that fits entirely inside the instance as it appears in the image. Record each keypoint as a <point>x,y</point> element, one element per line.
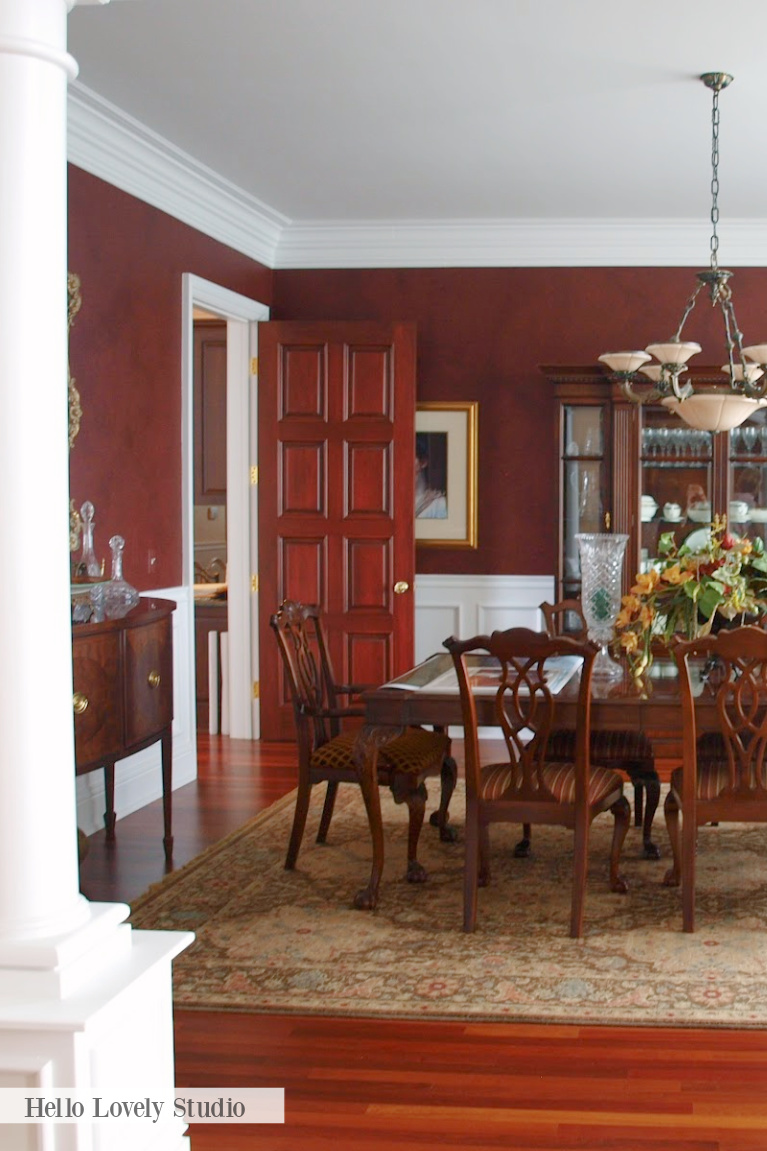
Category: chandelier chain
<point>715,181</point>
<point>747,373</point>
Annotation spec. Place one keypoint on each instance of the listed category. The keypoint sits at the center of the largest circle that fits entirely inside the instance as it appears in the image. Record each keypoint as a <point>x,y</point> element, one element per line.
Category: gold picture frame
<point>446,474</point>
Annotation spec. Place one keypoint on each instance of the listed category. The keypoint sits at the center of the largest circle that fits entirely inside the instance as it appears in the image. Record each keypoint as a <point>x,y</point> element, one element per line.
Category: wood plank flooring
<point>355,1084</point>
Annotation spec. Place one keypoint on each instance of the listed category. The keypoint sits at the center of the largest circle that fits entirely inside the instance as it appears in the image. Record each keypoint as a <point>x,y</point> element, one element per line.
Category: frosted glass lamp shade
<point>752,372</point>
<point>652,371</point>
<point>714,411</point>
<point>757,353</point>
<point>624,361</point>
<point>673,353</point>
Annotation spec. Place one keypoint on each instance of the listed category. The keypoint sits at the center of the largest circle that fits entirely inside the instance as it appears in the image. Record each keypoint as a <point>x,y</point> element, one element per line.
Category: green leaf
<point>711,596</point>
<point>666,543</point>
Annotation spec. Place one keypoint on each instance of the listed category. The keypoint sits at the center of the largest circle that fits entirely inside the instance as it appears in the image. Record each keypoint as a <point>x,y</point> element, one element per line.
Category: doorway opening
<point>211,633</point>
<point>241,316</point>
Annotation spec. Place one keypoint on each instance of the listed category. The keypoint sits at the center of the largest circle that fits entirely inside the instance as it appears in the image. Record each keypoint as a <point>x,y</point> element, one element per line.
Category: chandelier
<point>717,409</point>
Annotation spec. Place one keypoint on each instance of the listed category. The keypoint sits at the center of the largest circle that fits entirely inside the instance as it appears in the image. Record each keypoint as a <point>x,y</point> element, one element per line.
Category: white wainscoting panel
<point>467,605</point>
<point>138,778</point>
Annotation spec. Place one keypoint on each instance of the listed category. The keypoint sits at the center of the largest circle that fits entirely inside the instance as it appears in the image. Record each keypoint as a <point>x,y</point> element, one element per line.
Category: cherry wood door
<point>336,482</point>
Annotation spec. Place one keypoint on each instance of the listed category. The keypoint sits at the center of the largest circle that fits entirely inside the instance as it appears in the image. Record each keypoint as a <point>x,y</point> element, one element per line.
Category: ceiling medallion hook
<point>716,80</point>
<point>713,409</point>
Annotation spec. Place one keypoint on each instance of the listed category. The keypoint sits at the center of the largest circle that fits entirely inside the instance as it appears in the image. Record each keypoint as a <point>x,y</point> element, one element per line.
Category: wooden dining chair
<point>627,751</point>
<point>326,748</point>
<point>527,786</point>
<point>723,777</point>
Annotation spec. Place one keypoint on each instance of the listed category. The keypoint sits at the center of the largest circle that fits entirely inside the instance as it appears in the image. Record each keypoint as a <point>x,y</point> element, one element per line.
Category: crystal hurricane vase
<point>601,566</point>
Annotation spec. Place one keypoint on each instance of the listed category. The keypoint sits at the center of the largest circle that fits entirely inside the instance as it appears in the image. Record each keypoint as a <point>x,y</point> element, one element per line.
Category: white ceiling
<point>344,114</point>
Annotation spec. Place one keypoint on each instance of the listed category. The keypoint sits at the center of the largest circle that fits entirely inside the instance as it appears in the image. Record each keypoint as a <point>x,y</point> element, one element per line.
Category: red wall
<point>481,335</point>
<point>125,355</point>
<point>482,332</point>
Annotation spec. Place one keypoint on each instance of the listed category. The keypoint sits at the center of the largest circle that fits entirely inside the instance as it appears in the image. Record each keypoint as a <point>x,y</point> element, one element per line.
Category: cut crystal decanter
<point>119,596</point>
<point>88,564</point>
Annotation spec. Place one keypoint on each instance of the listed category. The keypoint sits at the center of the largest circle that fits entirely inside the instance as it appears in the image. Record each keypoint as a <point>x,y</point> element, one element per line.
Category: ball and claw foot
<point>522,849</point>
<point>619,885</point>
<point>651,850</point>
<point>416,872</point>
<point>447,833</point>
<point>365,900</point>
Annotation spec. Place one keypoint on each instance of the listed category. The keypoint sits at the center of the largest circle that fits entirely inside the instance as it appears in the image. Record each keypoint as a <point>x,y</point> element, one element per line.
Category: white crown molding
<point>518,243</point>
<point>108,143</point>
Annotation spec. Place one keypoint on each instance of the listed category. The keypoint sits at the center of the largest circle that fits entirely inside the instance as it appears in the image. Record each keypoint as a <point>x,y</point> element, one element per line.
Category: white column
<point>84,1001</point>
<point>38,850</point>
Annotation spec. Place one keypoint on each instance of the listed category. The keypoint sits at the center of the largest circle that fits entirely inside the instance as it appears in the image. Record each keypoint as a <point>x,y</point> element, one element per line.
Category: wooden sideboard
<point>123,696</point>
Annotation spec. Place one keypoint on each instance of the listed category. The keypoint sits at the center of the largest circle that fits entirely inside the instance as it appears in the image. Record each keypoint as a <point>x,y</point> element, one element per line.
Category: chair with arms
<point>527,786</point>
<point>326,751</point>
<point>723,777</point>
<point>627,751</point>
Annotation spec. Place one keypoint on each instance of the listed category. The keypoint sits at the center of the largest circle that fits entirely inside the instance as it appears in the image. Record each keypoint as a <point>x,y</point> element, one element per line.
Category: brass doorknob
<point>153,679</point>
<point>79,702</point>
<point>401,586</point>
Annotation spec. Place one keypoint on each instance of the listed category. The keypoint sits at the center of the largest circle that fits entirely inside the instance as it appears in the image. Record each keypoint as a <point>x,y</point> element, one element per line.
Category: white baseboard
<point>138,778</point>
<point>467,605</point>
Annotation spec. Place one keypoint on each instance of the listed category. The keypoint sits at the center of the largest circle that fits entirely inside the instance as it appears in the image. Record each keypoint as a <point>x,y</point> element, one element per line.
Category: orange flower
<point>631,607</point>
<point>646,582</point>
<point>675,575</point>
<point>629,641</point>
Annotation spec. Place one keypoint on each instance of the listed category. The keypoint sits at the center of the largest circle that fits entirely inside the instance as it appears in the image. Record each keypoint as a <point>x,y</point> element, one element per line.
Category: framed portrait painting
<point>446,474</point>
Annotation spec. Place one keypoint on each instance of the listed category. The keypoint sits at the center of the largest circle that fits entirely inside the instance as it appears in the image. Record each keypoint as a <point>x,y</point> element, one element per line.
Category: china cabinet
<point>640,470</point>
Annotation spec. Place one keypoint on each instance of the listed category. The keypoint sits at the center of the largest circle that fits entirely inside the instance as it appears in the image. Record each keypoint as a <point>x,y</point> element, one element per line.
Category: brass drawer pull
<point>79,702</point>
<point>153,679</point>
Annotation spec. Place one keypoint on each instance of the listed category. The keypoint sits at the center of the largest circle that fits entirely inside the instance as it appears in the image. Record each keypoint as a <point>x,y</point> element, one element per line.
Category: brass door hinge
<point>256,689</point>
<point>254,365</point>
<point>253,475</point>
<point>254,583</point>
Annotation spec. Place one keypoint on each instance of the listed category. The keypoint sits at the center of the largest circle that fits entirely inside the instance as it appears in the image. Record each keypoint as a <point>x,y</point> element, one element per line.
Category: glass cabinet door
<point>747,513</point>
<point>675,477</point>
<point>584,488</point>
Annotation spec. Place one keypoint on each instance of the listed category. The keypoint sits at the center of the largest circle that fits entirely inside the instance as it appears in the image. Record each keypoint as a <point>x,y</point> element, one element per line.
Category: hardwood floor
<point>352,1084</point>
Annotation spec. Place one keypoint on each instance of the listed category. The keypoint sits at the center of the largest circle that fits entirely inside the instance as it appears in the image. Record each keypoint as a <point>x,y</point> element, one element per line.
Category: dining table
<point>651,705</point>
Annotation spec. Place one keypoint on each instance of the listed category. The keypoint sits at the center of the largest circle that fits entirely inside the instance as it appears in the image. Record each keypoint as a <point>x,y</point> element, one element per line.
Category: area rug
<point>269,940</point>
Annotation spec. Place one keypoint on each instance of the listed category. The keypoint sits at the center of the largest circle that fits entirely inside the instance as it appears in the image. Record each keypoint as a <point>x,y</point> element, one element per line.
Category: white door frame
<point>242,316</point>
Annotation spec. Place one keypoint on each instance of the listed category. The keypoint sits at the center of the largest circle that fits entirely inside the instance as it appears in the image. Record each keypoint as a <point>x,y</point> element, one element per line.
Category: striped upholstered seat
<point>497,781</point>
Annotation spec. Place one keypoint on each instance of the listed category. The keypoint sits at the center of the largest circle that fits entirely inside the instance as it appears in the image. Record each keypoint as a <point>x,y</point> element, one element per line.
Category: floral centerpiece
<point>685,589</point>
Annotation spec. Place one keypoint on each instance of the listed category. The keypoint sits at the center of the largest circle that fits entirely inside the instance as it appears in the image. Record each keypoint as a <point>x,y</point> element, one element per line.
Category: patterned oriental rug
<point>269,940</point>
